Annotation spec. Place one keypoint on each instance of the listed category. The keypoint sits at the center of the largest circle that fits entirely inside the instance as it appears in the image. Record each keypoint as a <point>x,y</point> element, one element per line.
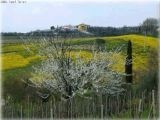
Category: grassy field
<point>15,56</point>
<point>17,62</point>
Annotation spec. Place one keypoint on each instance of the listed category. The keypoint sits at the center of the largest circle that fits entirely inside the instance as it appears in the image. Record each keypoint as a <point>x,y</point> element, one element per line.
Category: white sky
<point>41,15</point>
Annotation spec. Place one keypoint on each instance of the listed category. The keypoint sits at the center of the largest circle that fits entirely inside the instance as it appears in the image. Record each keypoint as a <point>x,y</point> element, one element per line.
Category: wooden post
<point>21,113</point>
<point>59,110</point>
<point>106,106</point>
<point>152,109</point>
<point>139,108</point>
<point>46,110</point>
<point>118,105</point>
<point>93,109</point>
<point>150,103</point>
<point>33,109</point>
<point>42,109</point>
<point>71,107</point>
<point>12,113</point>
<point>51,111</point>
<point>101,101</point>
<point>101,111</point>
<point>83,109</point>
<point>153,103</point>
<point>130,97</point>
<point>28,106</point>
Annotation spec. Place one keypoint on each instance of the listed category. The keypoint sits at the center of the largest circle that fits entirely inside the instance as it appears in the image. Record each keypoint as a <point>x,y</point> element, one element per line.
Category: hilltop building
<point>68,27</point>
<point>83,27</point>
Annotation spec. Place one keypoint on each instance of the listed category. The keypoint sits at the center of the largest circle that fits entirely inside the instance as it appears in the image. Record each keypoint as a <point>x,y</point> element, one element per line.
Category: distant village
<point>81,29</point>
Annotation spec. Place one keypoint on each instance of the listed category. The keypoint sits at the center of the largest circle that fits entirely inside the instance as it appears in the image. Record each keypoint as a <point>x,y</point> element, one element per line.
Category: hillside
<point>142,46</point>
<point>14,56</point>
<point>17,62</point>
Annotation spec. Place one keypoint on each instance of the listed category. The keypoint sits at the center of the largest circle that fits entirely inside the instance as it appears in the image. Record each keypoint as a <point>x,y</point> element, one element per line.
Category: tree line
<point>148,27</point>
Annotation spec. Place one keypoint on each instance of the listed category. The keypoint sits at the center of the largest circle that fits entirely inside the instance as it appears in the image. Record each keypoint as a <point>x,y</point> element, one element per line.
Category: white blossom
<point>60,73</point>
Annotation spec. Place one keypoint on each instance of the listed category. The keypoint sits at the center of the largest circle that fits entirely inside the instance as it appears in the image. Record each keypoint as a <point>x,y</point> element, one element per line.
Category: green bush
<point>100,44</point>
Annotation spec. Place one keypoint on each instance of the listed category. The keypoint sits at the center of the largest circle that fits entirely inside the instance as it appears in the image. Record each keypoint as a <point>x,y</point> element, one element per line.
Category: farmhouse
<point>69,27</point>
<point>83,27</point>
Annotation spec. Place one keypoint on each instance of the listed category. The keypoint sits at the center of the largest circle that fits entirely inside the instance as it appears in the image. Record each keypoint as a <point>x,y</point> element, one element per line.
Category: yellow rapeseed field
<point>82,54</point>
<point>138,40</point>
<point>13,60</point>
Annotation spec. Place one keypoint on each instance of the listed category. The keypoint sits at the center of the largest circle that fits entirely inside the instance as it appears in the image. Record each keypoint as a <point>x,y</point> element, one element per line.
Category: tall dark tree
<point>150,27</point>
<point>128,64</point>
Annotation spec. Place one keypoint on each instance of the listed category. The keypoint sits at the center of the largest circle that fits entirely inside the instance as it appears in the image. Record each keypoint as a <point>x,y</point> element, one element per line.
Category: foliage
<point>100,44</point>
<point>149,81</point>
<point>150,26</point>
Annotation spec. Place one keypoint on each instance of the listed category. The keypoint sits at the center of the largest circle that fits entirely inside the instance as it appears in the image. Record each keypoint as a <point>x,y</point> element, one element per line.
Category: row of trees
<point>148,27</point>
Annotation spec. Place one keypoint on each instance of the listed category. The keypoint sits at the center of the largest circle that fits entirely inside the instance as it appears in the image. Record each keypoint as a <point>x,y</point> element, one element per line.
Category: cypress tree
<point>128,64</point>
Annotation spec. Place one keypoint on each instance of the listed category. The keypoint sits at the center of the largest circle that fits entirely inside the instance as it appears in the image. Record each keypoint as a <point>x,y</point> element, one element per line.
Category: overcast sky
<point>41,15</point>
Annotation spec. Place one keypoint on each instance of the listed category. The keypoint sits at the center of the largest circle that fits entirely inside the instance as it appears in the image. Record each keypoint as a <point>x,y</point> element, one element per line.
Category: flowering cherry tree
<point>60,73</point>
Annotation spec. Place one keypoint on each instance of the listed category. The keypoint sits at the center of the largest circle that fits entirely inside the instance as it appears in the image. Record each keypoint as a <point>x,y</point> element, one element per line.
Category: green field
<point>17,62</point>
